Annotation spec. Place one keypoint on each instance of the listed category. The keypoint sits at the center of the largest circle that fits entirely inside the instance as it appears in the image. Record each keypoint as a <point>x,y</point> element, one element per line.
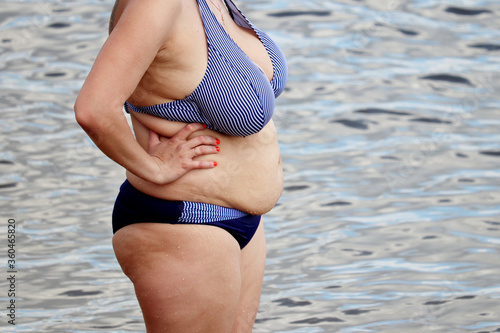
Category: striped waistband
<point>198,212</point>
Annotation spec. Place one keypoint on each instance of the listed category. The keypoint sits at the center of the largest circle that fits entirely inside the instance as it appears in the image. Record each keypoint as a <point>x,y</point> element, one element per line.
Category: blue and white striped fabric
<point>199,212</point>
<point>235,96</point>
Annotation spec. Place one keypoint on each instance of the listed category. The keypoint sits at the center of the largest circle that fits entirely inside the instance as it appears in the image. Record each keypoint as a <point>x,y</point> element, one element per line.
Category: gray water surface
<point>389,129</point>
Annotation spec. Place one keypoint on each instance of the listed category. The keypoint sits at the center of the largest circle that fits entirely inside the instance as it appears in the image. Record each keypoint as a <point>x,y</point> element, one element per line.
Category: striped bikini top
<point>235,96</point>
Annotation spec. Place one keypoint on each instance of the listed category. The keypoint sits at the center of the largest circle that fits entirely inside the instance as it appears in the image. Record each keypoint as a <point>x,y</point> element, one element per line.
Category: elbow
<point>87,121</point>
<point>83,115</point>
<point>92,113</point>
<point>86,118</point>
<point>87,115</point>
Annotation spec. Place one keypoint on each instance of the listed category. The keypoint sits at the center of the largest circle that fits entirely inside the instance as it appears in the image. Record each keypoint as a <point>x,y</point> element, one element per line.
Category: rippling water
<point>390,217</point>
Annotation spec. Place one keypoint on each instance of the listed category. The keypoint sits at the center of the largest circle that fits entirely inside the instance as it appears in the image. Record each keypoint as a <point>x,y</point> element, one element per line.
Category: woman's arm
<point>142,30</point>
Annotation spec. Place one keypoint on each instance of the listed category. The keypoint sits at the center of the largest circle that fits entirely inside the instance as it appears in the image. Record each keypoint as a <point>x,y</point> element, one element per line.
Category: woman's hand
<point>175,155</point>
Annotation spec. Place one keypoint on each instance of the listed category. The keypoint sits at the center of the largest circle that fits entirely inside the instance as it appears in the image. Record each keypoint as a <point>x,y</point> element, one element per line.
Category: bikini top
<point>235,96</point>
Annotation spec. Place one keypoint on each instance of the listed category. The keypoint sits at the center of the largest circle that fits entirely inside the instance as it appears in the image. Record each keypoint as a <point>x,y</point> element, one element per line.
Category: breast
<point>235,100</point>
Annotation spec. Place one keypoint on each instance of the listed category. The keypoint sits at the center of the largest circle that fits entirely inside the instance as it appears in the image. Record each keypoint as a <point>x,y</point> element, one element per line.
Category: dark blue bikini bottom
<point>132,206</point>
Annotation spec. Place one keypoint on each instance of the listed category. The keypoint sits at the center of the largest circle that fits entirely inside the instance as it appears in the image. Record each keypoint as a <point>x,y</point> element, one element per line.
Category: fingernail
<point>217,141</point>
<point>217,148</point>
<point>204,125</point>
<point>215,164</point>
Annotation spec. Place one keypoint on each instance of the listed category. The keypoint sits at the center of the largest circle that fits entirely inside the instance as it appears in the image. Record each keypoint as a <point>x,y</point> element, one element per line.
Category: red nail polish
<point>217,141</point>
<point>204,125</point>
<point>218,149</point>
<point>215,164</point>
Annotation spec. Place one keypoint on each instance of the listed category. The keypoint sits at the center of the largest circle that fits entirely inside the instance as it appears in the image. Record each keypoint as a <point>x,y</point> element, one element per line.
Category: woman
<point>199,82</point>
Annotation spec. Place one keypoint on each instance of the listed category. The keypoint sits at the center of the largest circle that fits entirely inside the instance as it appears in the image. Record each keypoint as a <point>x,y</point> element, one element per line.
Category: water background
<point>390,140</point>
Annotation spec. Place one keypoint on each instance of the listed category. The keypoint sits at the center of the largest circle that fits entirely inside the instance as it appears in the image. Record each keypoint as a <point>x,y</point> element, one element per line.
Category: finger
<point>189,129</point>
<point>154,139</point>
<point>203,164</point>
<point>205,150</point>
<point>202,140</point>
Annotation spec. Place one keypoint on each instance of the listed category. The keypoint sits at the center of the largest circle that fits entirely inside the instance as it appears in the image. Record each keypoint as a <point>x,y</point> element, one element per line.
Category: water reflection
<point>389,220</point>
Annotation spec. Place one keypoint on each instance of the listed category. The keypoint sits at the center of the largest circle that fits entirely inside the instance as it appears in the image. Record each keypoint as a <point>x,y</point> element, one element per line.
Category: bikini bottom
<point>132,206</point>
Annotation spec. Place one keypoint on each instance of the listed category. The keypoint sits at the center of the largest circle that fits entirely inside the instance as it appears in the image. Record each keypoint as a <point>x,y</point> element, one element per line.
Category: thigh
<point>253,260</point>
<point>186,277</point>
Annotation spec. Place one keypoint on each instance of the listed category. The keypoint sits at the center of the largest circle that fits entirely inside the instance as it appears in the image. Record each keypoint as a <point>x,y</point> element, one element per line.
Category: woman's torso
<point>249,174</point>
